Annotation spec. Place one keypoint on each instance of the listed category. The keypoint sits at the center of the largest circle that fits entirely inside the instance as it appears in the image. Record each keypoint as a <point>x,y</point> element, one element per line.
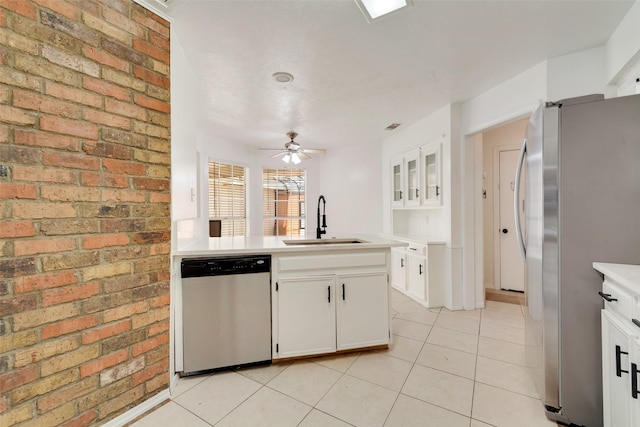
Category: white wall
<point>577,74</point>
<point>184,125</point>
<point>350,178</point>
<point>622,51</point>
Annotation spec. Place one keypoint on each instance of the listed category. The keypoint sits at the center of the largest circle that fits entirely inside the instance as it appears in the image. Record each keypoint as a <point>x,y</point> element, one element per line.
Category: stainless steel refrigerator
<point>581,161</point>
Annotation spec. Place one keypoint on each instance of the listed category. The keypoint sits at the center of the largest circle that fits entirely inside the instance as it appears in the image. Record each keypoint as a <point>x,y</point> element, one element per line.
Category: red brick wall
<point>84,214</point>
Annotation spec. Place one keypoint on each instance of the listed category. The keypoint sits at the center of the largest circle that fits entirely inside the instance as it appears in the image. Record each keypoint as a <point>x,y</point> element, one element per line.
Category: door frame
<point>497,258</point>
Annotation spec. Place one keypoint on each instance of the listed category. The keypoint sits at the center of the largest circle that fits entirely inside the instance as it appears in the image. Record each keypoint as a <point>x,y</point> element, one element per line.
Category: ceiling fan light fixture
<point>286,158</point>
<point>374,9</point>
<point>295,159</point>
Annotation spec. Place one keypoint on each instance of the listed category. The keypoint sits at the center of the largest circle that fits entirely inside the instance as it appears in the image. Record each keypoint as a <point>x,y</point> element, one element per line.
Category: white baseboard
<point>136,411</point>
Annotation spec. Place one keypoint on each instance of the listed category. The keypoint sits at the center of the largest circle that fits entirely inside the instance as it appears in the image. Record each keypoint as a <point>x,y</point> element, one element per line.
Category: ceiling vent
<point>392,126</point>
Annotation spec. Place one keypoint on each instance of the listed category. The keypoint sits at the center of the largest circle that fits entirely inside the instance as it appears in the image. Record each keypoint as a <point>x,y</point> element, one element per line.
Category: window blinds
<point>228,198</point>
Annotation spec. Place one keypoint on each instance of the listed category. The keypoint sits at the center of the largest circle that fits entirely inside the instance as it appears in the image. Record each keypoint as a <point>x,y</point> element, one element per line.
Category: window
<point>283,195</point>
<point>227,200</point>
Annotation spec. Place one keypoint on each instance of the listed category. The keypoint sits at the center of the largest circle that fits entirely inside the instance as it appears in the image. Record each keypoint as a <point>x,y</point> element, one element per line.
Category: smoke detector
<point>282,77</point>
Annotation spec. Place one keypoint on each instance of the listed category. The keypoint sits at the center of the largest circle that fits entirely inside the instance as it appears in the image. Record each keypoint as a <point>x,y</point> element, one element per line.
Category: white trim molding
<point>139,410</point>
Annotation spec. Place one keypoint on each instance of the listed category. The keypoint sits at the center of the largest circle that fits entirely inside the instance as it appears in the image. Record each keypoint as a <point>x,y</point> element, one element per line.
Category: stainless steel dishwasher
<point>226,312</point>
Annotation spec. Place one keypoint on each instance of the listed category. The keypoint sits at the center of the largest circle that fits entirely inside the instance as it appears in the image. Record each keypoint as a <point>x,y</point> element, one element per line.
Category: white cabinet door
<point>399,268</point>
<point>634,373</point>
<point>306,316</point>
<point>362,311</point>
<point>397,182</point>
<point>412,178</point>
<point>430,167</point>
<point>417,275</point>
<point>616,382</point>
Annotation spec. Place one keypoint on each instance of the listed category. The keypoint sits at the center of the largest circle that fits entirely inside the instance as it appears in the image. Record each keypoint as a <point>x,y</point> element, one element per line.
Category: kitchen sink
<point>322,241</point>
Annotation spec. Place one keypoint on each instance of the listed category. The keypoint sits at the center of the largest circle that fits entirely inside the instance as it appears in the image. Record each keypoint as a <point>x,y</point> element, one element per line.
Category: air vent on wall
<point>392,126</point>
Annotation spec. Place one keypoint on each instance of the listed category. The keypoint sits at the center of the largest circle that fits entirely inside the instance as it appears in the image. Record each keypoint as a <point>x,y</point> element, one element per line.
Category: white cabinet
<point>397,184</point>
<point>616,344</point>
<point>634,374</point>
<point>416,178</point>
<point>412,178</point>
<point>362,306</point>
<point>417,272</point>
<point>306,312</point>
<point>431,175</point>
<point>326,303</point>
<point>399,268</point>
<point>620,344</point>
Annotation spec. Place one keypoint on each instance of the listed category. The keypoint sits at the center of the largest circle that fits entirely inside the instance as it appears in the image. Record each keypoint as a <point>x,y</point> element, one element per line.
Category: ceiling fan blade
<point>278,155</point>
<point>315,150</point>
<point>303,156</point>
<point>270,149</point>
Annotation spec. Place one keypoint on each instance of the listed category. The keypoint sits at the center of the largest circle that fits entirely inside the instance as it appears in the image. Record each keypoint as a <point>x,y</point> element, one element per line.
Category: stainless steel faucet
<point>320,232</point>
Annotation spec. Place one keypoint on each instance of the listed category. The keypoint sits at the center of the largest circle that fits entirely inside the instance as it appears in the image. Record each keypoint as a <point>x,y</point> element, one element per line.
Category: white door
<point>616,383</point>
<point>511,263</point>
<point>306,316</point>
<point>362,310</point>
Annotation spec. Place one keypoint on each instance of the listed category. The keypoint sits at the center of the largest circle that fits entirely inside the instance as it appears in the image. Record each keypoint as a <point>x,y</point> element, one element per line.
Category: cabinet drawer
<point>624,305</point>
<point>416,248</point>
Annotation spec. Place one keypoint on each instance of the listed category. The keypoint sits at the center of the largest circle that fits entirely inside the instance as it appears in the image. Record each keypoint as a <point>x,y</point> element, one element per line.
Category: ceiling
<point>352,78</point>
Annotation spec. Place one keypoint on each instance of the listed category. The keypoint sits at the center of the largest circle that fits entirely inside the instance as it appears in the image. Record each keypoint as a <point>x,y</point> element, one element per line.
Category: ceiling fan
<point>293,152</point>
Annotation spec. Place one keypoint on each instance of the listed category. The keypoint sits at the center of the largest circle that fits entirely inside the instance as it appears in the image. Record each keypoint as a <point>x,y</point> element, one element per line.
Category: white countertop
<point>256,244</point>
<point>626,274</point>
<point>417,238</point>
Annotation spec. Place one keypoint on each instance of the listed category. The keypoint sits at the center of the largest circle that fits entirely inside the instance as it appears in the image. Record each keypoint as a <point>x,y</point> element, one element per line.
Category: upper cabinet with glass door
<point>412,174</point>
<point>397,185</point>
<point>416,178</point>
<point>430,164</point>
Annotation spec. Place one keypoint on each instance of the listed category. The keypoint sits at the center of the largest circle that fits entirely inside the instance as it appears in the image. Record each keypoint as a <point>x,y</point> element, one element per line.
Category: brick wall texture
<point>84,210</point>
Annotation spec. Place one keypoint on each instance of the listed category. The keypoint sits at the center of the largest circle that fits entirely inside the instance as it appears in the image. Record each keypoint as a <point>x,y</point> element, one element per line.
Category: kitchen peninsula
<point>326,295</point>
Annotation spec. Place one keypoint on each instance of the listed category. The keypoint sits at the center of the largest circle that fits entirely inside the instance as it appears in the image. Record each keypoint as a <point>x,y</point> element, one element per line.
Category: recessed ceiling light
<point>282,77</point>
<point>374,9</point>
<point>392,126</point>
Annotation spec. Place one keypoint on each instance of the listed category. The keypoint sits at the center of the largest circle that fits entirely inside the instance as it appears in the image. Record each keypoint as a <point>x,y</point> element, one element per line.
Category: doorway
<point>503,267</point>
<point>509,271</point>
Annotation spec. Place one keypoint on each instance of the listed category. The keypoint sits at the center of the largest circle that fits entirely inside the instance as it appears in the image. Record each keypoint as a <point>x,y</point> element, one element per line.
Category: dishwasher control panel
<point>218,266</point>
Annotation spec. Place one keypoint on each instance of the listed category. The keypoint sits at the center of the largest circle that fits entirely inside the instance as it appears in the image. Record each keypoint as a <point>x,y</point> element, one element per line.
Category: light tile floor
<point>463,368</point>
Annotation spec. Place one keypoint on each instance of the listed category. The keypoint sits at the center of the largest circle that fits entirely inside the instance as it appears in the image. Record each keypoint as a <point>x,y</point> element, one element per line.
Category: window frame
<point>292,183</point>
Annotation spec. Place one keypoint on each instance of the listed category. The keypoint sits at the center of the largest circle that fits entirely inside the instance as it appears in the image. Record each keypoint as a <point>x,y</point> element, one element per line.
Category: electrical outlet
<point>4,171</point>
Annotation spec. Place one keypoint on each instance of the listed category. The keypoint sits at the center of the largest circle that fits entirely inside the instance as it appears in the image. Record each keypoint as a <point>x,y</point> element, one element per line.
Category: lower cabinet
<point>620,345</point>
<point>319,313</point>
<point>362,310</point>
<point>616,381</point>
<point>306,316</point>
<point>399,268</point>
<point>417,271</point>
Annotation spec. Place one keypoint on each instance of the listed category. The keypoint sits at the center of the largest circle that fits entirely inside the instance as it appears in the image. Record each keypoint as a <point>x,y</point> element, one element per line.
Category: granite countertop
<point>627,275</point>
<point>256,244</point>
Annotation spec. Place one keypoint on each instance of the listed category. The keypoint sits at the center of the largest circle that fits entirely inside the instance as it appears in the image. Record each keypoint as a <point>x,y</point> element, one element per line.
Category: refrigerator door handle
<point>516,200</point>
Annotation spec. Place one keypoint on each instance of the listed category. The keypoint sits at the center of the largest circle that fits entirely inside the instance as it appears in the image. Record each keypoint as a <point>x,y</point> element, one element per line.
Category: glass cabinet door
<point>432,191</point>
<point>412,162</point>
<point>396,176</point>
